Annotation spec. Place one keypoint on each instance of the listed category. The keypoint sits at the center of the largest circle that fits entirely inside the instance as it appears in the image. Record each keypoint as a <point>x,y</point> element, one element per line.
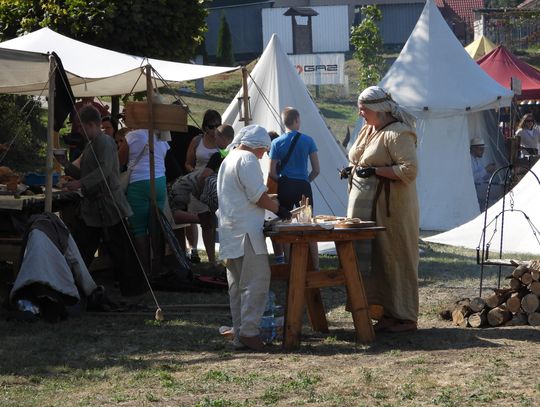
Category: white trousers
<point>249,280</point>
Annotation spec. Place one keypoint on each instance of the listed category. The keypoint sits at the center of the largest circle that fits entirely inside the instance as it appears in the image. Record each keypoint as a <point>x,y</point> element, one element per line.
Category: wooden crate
<point>166,117</point>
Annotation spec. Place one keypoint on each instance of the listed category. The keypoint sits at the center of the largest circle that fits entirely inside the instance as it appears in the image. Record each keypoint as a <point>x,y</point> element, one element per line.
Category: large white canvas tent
<point>273,85</point>
<point>22,71</point>
<point>442,86</point>
<point>517,232</point>
<point>95,71</point>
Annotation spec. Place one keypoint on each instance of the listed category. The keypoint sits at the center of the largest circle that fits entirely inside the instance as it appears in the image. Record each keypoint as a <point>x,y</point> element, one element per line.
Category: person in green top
<point>104,207</point>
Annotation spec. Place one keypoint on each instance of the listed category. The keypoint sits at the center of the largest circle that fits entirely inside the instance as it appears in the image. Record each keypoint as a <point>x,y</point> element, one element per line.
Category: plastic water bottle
<point>267,330</point>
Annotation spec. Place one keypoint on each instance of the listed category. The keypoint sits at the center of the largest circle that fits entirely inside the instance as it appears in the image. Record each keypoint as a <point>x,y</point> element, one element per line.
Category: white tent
<point>95,71</point>
<point>274,84</point>
<point>518,232</point>
<point>22,71</point>
<point>442,86</point>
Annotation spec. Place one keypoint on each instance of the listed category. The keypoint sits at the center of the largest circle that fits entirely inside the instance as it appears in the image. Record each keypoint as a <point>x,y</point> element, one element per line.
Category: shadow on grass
<point>431,339</point>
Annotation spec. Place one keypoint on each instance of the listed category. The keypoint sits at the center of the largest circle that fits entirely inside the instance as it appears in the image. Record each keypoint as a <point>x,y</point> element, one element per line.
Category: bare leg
<point>186,217</point>
<point>209,238</point>
<point>181,237</point>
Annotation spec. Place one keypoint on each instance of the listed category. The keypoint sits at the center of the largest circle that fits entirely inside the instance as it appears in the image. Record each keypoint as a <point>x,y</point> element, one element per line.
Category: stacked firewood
<point>518,304</point>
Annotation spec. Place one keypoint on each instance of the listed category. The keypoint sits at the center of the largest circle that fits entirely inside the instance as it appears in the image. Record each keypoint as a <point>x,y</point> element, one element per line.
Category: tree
<point>224,53</point>
<point>166,29</point>
<point>502,3</point>
<point>367,42</point>
<point>20,122</point>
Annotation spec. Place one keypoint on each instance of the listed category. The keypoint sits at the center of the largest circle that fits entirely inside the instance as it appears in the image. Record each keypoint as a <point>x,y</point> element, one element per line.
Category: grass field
<point>99,360</point>
<point>133,360</point>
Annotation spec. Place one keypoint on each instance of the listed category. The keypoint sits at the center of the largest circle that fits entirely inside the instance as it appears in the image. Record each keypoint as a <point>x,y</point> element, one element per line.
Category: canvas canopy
<point>95,71</point>
<point>502,65</point>
<point>274,84</point>
<point>22,71</point>
<point>521,218</point>
<point>480,47</point>
<point>437,81</point>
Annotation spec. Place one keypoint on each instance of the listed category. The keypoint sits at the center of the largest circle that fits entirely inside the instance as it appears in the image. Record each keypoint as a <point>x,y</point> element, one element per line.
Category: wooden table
<point>304,283</point>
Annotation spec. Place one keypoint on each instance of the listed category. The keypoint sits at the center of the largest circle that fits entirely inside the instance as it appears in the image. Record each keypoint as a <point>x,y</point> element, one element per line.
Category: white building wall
<point>330,29</point>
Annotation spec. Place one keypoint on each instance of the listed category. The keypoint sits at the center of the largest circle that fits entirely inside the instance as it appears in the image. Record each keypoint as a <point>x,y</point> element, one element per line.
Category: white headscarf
<point>252,136</point>
<point>377,99</point>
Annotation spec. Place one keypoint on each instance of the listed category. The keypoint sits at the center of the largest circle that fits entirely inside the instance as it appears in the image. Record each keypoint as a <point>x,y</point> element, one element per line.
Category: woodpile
<point>518,304</point>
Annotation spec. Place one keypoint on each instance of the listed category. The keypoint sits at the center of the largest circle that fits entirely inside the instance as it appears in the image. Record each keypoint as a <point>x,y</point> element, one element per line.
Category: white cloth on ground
<point>43,263</point>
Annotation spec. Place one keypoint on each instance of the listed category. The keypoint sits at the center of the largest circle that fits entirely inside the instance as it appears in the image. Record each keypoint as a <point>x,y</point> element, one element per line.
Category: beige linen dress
<point>393,278</point>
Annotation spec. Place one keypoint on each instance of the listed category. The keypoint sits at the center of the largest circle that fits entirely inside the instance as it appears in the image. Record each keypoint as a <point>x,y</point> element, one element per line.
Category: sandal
<point>403,325</point>
<point>384,324</point>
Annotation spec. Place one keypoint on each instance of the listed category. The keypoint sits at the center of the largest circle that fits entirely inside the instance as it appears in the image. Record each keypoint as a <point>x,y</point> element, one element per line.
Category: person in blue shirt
<point>292,174</point>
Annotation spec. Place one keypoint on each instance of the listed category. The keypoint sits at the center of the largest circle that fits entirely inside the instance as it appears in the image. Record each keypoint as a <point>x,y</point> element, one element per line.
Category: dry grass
<point>133,361</point>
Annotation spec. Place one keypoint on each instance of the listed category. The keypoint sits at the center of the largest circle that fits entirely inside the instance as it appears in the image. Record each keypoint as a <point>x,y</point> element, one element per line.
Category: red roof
<point>459,9</point>
<point>502,65</point>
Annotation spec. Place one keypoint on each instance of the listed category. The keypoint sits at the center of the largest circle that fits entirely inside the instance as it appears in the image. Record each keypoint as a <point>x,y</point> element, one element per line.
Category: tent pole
<point>245,96</point>
<point>50,135</point>
<point>149,98</point>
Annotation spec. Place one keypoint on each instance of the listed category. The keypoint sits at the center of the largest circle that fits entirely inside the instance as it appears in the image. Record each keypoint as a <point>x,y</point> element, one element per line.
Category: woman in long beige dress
<point>383,188</point>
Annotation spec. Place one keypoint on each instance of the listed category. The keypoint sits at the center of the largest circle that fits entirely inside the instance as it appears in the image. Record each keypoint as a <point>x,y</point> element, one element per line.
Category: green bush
<point>21,122</point>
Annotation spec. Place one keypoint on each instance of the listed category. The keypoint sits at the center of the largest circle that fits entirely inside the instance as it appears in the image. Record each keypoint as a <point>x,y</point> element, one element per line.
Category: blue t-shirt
<point>297,166</point>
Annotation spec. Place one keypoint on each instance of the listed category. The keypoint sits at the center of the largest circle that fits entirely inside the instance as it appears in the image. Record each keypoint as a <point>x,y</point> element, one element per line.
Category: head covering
<point>377,99</point>
<point>477,141</point>
<point>252,136</point>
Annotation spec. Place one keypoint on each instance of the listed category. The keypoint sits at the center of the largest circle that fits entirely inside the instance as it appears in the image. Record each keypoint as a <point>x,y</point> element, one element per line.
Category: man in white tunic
<point>242,201</point>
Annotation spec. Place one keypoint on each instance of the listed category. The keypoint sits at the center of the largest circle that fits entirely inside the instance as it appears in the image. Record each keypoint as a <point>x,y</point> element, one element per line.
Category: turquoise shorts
<point>138,195</point>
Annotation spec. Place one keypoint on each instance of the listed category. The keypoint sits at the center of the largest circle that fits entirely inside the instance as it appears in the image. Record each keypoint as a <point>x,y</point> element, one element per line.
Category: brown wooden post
<point>149,99</point>
<point>245,96</point>
<point>50,135</point>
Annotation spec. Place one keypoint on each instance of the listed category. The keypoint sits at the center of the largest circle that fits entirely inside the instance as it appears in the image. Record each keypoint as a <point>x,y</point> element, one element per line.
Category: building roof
<point>459,9</point>
<point>527,4</point>
<point>502,66</point>
<point>300,11</point>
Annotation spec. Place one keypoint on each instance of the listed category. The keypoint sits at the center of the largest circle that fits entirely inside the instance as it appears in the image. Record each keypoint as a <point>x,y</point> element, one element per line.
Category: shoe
<point>253,342</point>
<point>227,332</point>
<point>403,325</point>
<point>194,258</point>
<point>219,272</point>
<point>384,324</point>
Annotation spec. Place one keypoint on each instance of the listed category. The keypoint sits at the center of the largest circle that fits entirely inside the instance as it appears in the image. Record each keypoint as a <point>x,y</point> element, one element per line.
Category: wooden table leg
<point>355,290</point>
<point>315,306</point>
<point>316,312</point>
<point>295,295</point>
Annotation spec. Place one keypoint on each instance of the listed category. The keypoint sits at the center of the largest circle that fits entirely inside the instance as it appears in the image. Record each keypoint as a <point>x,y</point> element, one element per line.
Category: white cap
<point>477,141</point>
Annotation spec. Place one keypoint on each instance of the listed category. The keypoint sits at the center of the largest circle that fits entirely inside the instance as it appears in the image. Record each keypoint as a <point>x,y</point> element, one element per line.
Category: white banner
<point>320,69</point>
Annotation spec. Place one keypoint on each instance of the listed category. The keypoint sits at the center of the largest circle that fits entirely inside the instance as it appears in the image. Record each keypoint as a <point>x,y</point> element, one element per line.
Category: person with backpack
<point>289,155</point>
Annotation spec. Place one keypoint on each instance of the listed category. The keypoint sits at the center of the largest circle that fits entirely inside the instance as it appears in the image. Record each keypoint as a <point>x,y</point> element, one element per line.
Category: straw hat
<point>477,141</point>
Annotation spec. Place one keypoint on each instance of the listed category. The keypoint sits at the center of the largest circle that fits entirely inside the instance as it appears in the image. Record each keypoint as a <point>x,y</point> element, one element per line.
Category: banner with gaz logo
<point>320,69</point>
